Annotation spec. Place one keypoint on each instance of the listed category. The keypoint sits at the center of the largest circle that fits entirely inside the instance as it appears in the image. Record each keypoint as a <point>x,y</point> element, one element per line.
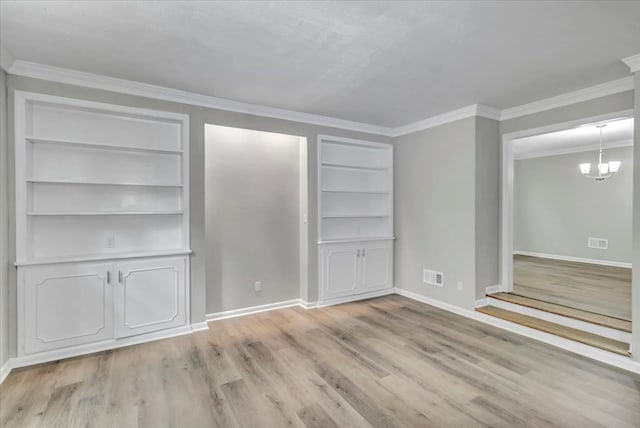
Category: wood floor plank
<point>565,311</point>
<point>558,330</point>
<point>604,290</point>
<point>386,362</point>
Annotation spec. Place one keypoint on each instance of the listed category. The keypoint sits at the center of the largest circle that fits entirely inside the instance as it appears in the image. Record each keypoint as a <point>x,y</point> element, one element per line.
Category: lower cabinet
<point>355,268</point>
<point>74,304</point>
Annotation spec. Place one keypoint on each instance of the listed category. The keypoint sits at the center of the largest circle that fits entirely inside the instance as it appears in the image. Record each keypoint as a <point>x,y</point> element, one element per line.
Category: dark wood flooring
<point>387,362</point>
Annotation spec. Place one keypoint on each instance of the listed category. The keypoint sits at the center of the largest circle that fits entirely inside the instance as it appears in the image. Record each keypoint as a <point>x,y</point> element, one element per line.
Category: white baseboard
<point>611,333</point>
<point>364,296</point>
<point>574,259</point>
<point>493,289</point>
<point>5,369</point>
<point>91,348</point>
<point>200,326</point>
<point>610,358</point>
<point>482,302</point>
<point>253,310</point>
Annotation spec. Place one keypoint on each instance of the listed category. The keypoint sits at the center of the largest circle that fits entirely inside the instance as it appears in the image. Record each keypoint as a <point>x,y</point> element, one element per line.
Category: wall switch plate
<point>258,286</point>
<point>460,286</point>
<point>110,242</point>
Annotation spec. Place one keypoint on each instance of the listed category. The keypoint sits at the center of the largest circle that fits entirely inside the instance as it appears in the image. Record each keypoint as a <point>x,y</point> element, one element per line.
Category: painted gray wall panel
<point>252,221</point>
<point>487,186</point>
<point>4,225</point>
<point>556,209</point>
<point>435,210</point>
<point>199,116</point>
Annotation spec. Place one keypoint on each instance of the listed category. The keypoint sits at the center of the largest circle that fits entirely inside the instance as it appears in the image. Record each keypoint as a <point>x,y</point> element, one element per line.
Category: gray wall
<point>252,217</point>
<point>556,209</point>
<point>435,210</point>
<point>635,293</point>
<point>199,116</point>
<point>4,225</point>
<point>487,188</point>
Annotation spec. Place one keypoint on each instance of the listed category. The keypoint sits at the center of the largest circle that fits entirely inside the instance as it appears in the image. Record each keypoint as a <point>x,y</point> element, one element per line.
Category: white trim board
<point>633,62</point>
<point>90,80</point>
<point>253,310</point>
<point>606,357</point>
<point>574,259</point>
<point>569,150</point>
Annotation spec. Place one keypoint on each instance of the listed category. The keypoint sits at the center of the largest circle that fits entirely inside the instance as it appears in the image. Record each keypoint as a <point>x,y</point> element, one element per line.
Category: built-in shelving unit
<point>102,225</point>
<point>98,179</point>
<point>356,192</point>
<point>355,212</point>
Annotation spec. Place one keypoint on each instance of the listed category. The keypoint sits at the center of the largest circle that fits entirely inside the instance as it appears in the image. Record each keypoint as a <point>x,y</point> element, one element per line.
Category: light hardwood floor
<point>603,290</point>
<point>387,362</point>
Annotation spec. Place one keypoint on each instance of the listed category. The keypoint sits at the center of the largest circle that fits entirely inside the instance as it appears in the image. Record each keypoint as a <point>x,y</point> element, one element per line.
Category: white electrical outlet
<point>460,287</point>
<point>110,242</point>
<point>258,286</point>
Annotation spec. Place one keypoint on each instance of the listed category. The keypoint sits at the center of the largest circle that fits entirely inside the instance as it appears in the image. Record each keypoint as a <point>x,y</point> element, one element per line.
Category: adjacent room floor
<point>600,289</point>
<point>384,363</point>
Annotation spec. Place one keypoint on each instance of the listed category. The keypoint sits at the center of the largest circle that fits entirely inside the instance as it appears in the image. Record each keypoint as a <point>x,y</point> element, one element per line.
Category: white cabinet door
<point>149,296</point>
<point>377,266</point>
<point>65,305</point>
<point>339,270</point>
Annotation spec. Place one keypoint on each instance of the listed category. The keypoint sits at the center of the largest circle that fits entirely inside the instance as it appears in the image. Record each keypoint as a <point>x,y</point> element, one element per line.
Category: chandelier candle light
<point>605,169</point>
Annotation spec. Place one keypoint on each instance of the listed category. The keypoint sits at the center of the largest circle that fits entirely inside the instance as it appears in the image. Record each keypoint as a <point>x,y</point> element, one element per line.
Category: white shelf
<point>98,183</point>
<point>357,239</point>
<point>355,216</point>
<point>90,145</point>
<point>102,256</point>
<point>100,213</point>
<point>354,166</point>
<point>373,192</point>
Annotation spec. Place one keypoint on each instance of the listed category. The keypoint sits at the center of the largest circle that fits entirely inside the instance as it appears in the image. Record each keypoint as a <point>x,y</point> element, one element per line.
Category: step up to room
<point>565,311</point>
<point>576,335</point>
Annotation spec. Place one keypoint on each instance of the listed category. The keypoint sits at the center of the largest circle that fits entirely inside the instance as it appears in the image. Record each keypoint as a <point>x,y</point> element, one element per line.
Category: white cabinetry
<point>355,212</point>
<point>352,269</point>
<point>102,222</point>
<point>149,296</point>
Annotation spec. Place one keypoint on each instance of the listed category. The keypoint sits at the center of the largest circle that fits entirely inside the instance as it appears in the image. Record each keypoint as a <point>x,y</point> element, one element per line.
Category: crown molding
<point>452,116</point>
<point>633,62</point>
<point>6,59</point>
<point>608,88</point>
<point>570,150</point>
<point>129,87</point>
<point>96,81</point>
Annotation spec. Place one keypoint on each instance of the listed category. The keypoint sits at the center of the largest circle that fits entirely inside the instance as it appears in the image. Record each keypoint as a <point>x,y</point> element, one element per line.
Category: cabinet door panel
<point>377,271</point>
<point>340,271</point>
<point>66,305</point>
<point>150,296</point>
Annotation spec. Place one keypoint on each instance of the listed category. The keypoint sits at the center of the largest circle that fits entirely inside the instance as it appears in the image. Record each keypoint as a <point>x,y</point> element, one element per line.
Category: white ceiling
<point>616,133</point>
<point>384,63</point>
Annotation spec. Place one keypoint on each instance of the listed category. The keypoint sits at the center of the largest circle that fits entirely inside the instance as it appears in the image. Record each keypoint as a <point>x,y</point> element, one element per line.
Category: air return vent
<point>598,243</point>
<point>432,277</point>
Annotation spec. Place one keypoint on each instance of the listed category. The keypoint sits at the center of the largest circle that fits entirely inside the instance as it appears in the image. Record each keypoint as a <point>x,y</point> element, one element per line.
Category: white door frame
<point>506,218</point>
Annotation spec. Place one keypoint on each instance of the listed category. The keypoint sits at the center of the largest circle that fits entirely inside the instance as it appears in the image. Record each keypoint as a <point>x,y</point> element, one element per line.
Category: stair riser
<point>565,321</point>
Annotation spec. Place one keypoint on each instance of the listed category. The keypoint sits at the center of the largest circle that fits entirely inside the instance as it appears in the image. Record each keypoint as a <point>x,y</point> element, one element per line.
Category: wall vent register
<point>432,277</point>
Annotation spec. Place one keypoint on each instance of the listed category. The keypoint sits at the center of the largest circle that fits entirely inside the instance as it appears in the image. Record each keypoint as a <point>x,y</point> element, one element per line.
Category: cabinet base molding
<point>76,351</point>
<point>347,299</point>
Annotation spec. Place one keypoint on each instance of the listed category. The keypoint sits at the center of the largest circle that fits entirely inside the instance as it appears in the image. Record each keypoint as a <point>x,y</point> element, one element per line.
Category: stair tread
<point>558,330</point>
<point>566,311</point>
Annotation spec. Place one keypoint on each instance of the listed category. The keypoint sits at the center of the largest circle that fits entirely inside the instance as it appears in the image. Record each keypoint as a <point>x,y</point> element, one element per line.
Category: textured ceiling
<point>384,63</point>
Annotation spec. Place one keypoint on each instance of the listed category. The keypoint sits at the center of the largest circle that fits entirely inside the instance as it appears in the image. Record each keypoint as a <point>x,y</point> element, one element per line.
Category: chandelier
<point>604,169</point>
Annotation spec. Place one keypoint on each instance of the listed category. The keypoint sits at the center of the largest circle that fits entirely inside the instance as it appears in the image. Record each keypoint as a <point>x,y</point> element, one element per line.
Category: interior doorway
<point>567,215</point>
